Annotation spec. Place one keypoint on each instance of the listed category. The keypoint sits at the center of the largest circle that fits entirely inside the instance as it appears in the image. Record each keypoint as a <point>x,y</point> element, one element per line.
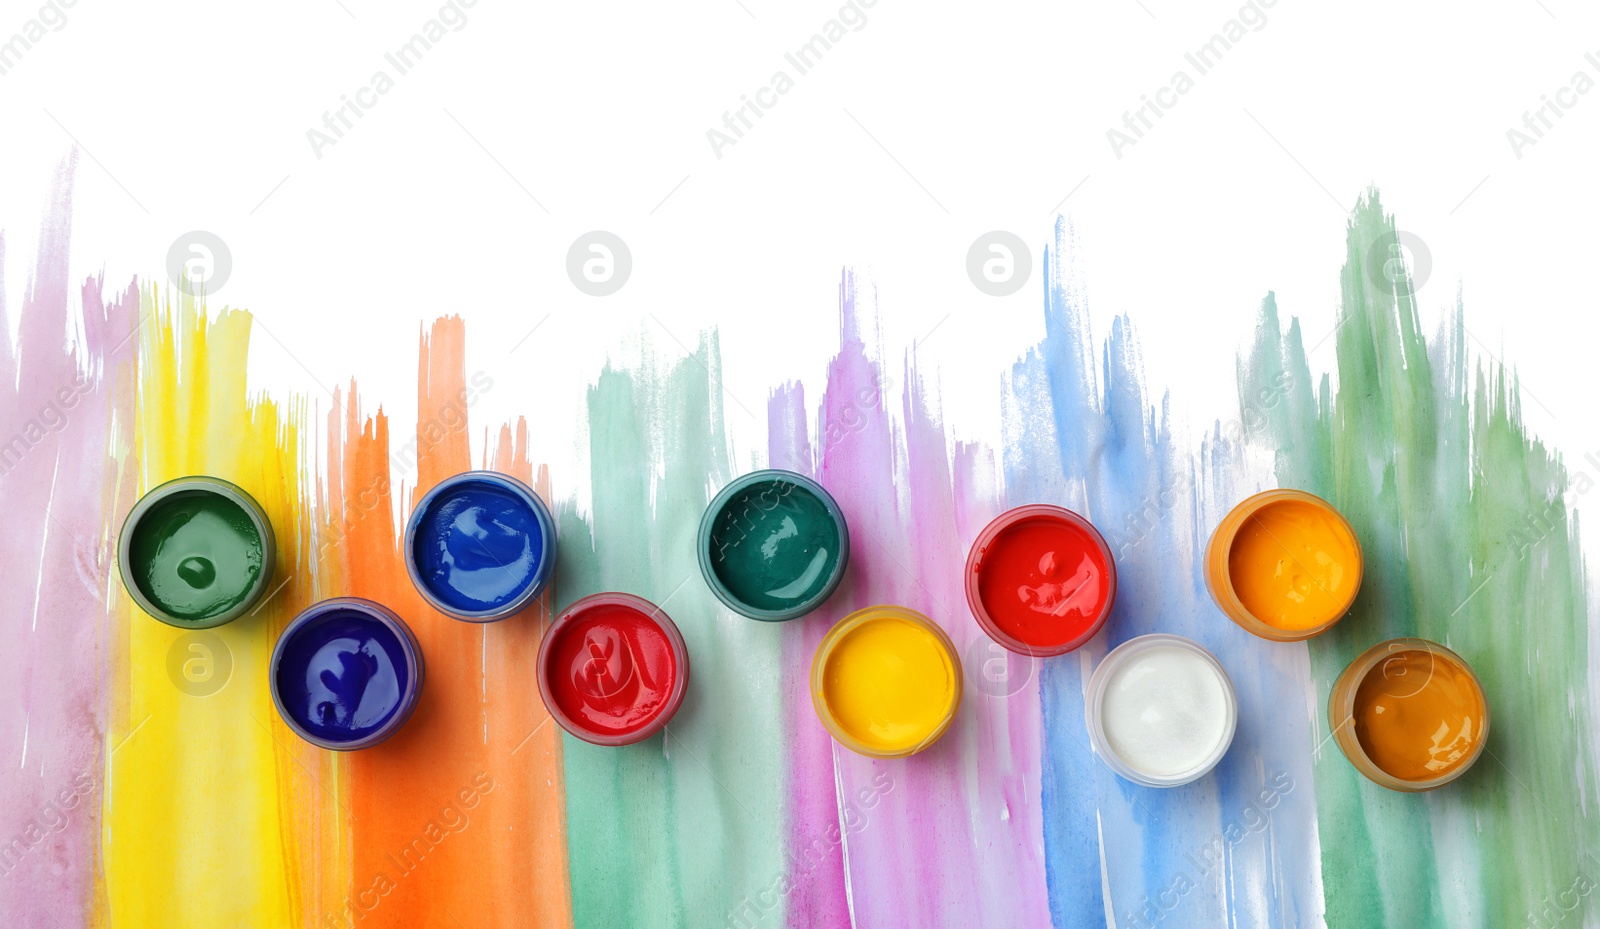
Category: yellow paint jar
<point>1409,714</point>
<point>886,681</point>
<point>1284,564</point>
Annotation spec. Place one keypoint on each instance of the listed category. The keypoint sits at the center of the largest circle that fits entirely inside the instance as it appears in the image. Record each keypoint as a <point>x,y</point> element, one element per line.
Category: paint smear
<point>60,402</point>
<point>1463,518</point>
<point>951,835</point>
<point>455,816</point>
<point>682,828</point>
<point>217,768</point>
<point>1085,435</point>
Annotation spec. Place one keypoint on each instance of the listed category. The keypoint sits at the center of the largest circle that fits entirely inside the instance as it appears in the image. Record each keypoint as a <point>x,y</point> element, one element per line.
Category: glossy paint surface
<point>774,545</point>
<point>1294,564</point>
<point>612,670</point>
<point>478,546</point>
<point>196,555</point>
<point>1044,581</point>
<point>342,676</point>
<point>888,681</point>
<point>1419,715</point>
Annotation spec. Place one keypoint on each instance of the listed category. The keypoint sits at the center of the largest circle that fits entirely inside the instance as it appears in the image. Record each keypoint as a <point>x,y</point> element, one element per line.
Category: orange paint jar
<point>1284,564</point>
<point>1409,714</point>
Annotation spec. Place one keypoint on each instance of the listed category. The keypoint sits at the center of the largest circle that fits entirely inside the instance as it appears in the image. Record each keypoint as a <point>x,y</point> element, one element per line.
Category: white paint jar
<point>1161,710</point>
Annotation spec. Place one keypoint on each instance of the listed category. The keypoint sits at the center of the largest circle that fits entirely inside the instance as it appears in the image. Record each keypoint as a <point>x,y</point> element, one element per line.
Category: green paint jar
<point>773,545</point>
<point>196,552</point>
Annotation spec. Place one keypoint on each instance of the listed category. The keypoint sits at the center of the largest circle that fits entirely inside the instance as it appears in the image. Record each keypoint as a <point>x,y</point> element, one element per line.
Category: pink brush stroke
<point>63,383</point>
<point>956,837</point>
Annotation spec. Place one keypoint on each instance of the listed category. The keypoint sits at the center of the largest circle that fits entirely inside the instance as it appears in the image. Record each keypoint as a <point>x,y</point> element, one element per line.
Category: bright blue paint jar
<point>480,546</point>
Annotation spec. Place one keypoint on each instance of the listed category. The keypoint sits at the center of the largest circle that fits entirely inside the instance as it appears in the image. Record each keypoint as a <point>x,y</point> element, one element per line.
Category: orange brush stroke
<point>421,855</point>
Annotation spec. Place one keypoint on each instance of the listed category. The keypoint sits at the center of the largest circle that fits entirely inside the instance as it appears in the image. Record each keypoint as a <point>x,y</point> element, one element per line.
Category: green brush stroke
<point>674,830</point>
<point>1463,522</point>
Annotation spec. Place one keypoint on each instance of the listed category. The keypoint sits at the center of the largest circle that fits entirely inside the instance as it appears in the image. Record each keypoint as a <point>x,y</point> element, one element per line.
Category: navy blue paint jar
<point>346,673</point>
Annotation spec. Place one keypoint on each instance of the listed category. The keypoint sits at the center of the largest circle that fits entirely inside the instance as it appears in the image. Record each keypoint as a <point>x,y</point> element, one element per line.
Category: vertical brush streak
<point>527,864</point>
<point>205,769</point>
<point>946,836</point>
<point>57,403</point>
<point>815,861</point>
<point>890,876</point>
<point>1211,852</point>
<point>1051,428</point>
<point>1463,519</point>
<point>683,828</point>
<point>991,789</point>
<point>454,815</point>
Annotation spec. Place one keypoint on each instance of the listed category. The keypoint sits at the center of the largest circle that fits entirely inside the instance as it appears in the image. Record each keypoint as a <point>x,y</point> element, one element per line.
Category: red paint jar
<point>613,669</point>
<point>1041,580</point>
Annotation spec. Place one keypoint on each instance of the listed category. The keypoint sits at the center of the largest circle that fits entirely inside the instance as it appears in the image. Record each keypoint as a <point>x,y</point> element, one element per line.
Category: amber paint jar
<point>1284,565</point>
<point>1409,714</point>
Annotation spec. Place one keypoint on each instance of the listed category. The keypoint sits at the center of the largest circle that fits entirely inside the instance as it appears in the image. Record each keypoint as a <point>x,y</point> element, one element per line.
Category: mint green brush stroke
<point>1463,519</point>
<point>675,830</point>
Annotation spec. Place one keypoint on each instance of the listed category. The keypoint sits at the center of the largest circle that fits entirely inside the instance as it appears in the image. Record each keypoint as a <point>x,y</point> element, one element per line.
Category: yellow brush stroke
<point>215,814</point>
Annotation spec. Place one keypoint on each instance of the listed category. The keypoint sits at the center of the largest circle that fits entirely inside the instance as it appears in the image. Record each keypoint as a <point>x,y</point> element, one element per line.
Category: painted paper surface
<point>140,791</point>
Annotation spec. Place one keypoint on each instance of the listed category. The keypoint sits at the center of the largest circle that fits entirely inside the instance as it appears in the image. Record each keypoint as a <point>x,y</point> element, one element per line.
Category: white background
<point>462,188</point>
